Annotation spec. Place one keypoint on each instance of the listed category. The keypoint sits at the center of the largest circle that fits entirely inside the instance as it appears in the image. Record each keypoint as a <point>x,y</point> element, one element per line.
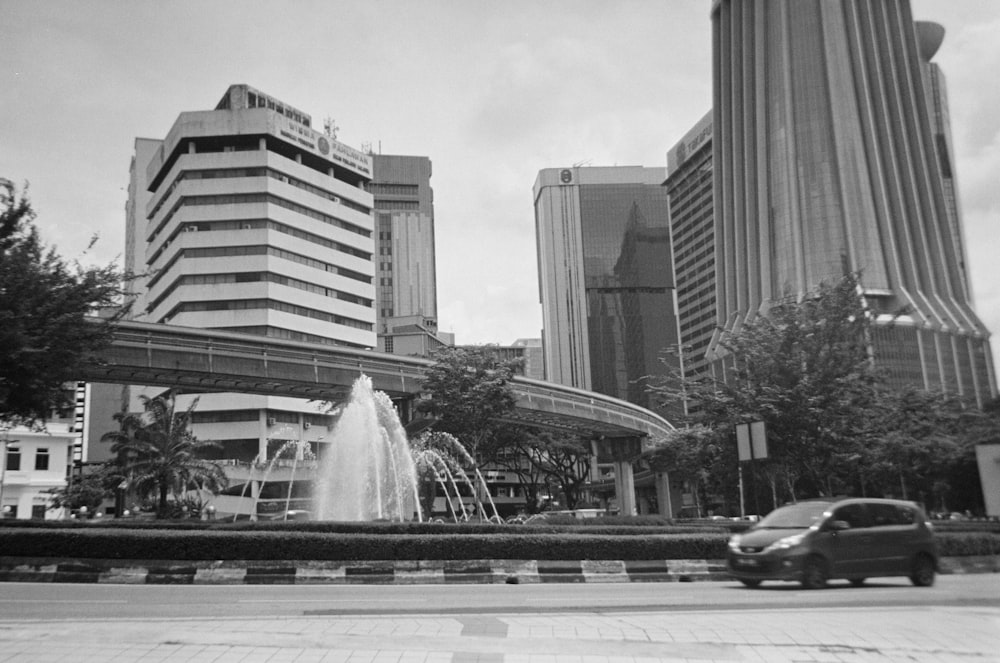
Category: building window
<point>388,344</point>
<point>42,459</point>
<point>13,459</point>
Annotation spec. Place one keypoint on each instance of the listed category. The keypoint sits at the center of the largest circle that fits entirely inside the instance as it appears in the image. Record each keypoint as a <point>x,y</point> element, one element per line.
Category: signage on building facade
<point>316,142</point>
<point>691,143</point>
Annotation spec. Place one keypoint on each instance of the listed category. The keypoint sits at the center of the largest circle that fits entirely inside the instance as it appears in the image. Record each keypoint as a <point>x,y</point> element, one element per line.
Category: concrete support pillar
<point>191,147</point>
<point>620,452</point>
<point>662,481</point>
<point>298,157</point>
<point>625,487</point>
<point>262,145</point>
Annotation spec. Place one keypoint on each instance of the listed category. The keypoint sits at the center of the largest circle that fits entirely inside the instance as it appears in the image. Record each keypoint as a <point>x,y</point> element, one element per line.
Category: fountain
<point>366,471</point>
<point>443,458</point>
<point>299,451</point>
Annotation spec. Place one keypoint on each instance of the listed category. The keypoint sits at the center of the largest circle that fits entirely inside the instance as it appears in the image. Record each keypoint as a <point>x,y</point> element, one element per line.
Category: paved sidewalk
<point>921,635</point>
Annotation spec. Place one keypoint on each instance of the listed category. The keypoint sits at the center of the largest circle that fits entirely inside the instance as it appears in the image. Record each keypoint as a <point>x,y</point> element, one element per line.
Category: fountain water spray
<point>447,459</point>
<point>366,471</point>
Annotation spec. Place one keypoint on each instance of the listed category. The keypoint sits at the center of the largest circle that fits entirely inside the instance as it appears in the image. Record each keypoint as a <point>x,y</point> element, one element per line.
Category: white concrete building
<point>246,219</point>
<point>32,463</point>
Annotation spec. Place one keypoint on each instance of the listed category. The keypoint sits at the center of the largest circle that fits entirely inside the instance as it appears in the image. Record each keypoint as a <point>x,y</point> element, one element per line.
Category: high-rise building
<point>692,231</point>
<point>831,155</point>
<point>533,355</point>
<point>246,219</point>
<point>605,276</point>
<point>406,275</point>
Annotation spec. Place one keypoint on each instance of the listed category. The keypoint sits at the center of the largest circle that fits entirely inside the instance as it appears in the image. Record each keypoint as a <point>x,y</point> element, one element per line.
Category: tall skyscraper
<point>692,231</point>
<point>831,155</point>
<point>605,275</point>
<point>406,293</point>
<point>248,220</point>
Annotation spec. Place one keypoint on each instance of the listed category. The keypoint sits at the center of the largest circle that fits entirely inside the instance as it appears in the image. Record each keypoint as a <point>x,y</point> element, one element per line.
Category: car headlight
<point>786,543</point>
<point>734,542</point>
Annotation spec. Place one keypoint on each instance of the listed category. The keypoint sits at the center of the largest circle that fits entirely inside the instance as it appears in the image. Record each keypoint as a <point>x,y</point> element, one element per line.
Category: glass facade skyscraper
<point>831,155</point>
<point>692,229</point>
<point>606,278</point>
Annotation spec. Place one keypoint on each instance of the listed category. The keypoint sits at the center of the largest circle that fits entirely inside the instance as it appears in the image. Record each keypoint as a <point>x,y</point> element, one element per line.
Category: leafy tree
<point>545,458</point>
<point>803,369</point>
<point>159,453</point>
<point>978,427</point>
<point>43,301</point>
<point>833,423</point>
<point>513,459</point>
<point>704,456</point>
<point>89,489</point>
<point>469,394</point>
<point>927,451</point>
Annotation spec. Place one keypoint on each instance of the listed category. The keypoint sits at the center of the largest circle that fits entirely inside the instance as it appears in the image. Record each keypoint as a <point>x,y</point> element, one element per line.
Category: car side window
<point>853,514</point>
<point>890,514</point>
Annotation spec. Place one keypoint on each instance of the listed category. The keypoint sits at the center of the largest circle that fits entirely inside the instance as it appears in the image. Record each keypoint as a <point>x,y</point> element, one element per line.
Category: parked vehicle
<point>854,539</point>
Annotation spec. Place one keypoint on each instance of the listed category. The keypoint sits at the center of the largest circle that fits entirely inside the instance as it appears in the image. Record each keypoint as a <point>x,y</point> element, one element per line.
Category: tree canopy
<point>469,393</point>
<point>834,424</point>
<point>44,338</point>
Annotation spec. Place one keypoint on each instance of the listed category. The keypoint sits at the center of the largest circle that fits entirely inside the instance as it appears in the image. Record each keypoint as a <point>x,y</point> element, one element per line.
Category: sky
<point>492,92</point>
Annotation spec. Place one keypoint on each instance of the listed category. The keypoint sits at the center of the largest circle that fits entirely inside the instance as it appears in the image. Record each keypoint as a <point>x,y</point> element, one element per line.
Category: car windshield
<point>794,516</point>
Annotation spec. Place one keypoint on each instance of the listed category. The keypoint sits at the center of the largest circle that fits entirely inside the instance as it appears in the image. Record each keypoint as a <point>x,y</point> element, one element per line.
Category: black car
<point>817,540</point>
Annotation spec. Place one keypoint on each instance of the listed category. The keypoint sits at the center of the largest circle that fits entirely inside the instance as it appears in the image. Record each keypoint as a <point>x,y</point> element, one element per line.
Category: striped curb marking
<point>413,572</point>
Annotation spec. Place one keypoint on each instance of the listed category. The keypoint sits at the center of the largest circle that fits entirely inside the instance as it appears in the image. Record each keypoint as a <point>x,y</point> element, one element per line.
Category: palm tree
<point>158,452</point>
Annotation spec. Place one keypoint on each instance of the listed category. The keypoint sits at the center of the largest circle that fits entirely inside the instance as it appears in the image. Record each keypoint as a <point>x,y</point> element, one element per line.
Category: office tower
<point>831,156</point>
<point>692,231</point>
<point>533,355</point>
<point>406,293</point>
<point>605,276</point>
<point>248,220</point>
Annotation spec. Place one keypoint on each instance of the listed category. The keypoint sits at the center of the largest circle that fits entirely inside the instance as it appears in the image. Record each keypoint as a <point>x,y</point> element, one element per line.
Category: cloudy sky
<point>492,92</point>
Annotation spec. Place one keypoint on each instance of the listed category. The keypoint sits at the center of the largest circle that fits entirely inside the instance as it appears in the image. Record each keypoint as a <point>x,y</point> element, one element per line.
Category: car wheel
<point>922,574</point>
<point>857,582</point>
<point>752,584</point>
<point>814,573</point>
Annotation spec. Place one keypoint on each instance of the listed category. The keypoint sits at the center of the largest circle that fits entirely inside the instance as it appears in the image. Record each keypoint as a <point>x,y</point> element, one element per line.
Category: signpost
<point>751,444</point>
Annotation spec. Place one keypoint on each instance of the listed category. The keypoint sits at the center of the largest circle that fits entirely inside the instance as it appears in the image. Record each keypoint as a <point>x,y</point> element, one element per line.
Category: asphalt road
<point>45,601</point>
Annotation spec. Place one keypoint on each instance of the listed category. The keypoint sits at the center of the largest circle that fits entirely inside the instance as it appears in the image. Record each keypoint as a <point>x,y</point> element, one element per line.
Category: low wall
<point>18,569</point>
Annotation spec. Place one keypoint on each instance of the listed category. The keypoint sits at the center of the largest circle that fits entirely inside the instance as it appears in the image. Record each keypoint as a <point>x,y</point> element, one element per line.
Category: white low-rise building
<point>34,462</point>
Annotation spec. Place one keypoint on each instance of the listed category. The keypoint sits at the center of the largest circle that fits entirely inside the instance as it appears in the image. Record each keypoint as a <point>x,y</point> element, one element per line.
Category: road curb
<point>386,572</point>
<point>374,572</point>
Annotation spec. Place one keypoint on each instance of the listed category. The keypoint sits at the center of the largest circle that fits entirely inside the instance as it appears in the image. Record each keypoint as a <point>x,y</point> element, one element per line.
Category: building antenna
<point>585,162</point>
<point>330,127</point>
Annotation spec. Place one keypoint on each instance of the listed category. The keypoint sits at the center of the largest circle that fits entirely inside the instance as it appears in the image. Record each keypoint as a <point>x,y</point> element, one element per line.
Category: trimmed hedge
<point>966,544</point>
<point>174,544</point>
<point>322,541</point>
<point>409,528</point>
